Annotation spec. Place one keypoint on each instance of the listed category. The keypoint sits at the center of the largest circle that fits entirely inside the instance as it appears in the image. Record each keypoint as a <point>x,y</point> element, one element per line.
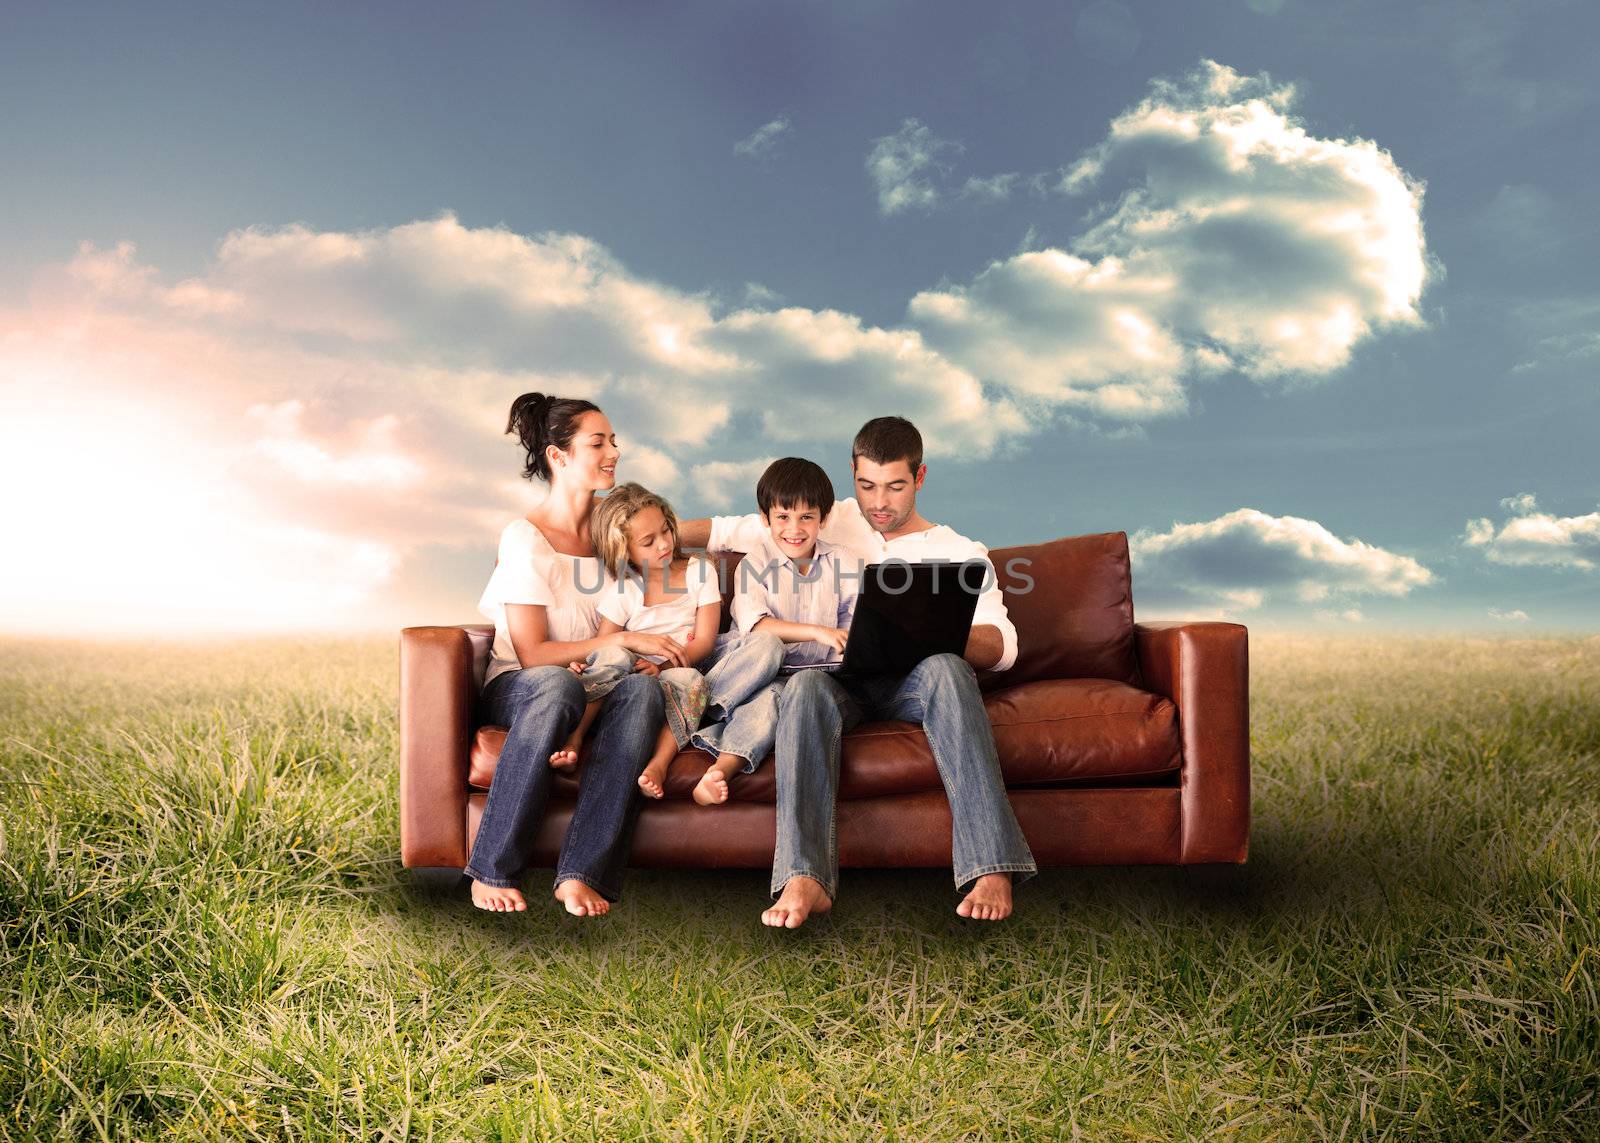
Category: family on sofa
<point>604,627</point>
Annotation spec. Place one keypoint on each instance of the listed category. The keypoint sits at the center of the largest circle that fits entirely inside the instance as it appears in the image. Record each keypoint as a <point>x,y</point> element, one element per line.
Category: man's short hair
<point>884,440</point>
<point>793,481</point>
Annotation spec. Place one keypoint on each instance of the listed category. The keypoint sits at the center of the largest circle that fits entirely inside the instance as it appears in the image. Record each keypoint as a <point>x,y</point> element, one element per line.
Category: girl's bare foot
<point>565,758</point>
<point>497,900</point>
<point>580,900</point>
<point>989,899</point>
<point>801,897</point>
<point>654,774</point>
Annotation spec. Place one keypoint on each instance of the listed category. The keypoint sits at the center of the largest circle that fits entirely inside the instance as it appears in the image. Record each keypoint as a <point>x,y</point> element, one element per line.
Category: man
<point>816,709</point>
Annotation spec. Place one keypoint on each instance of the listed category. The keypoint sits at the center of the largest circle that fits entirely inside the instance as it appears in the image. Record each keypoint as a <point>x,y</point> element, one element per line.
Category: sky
<point>1300,296</point>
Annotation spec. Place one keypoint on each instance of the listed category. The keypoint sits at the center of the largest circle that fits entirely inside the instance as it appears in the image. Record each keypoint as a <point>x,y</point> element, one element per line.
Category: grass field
<point>206,932</point>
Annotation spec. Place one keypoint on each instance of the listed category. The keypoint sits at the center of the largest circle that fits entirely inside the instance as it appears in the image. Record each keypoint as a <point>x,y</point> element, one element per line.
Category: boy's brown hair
<point>791,482</point>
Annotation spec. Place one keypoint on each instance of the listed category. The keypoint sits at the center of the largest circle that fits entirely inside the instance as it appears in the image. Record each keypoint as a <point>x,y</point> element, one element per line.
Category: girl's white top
<point>569,588</point>
<point>623,604</point>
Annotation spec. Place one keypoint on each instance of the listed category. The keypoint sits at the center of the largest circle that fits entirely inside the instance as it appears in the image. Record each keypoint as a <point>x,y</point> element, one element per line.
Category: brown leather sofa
<point>1121,743</point>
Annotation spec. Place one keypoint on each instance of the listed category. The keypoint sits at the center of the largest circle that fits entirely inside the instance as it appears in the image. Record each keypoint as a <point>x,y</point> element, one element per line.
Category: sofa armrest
<point>1204,668</point>
<point>436,701</point>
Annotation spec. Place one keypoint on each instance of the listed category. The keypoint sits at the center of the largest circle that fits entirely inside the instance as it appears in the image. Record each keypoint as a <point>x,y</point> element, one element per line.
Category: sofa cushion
<point>1075,619</point>
<point>1046,732</point>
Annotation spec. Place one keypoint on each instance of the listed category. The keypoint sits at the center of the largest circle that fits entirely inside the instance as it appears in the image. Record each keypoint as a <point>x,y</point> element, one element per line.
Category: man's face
<point>887,493</point>
<point>794,529</point>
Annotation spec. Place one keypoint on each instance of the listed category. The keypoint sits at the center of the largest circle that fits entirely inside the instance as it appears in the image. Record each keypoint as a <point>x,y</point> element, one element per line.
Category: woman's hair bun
<point>538,421</point>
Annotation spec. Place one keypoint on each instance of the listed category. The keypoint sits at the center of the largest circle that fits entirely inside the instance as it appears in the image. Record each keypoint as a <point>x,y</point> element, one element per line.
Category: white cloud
<point>1346,615</point>
<point>1530,538</point>
<point>763,142</point>
<point>727,485</point>
<point>991,188</point>
<point>1241,242</point>
<point>1516,615</point>
<point>1245,559</point>
<point>904,165</point>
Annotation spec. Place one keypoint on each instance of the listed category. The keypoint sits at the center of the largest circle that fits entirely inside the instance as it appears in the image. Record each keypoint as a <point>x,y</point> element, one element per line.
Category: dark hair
<point>884,440</point>
<point>793,481</point>
<point>539,421</point>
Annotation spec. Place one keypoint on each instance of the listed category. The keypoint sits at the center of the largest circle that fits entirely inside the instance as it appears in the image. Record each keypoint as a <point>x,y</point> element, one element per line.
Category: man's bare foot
<point>580,900</point>
<point>652,778</point>
<point>497,900</point>
<point>801,897</point>
<point>989,899</point>
<point>566,756</point>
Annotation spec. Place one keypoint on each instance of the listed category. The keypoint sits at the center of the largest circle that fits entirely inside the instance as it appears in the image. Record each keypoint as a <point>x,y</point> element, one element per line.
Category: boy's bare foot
<point>650,781</point>
<point>566,756</point>
<point>801,897</point>
<point>712,789</point>
<point>497,900</point>
<point>989,899</point>
<point>580,900</point>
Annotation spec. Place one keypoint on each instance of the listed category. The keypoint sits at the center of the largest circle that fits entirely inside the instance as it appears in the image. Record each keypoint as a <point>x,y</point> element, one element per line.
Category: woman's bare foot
<point>580,900</point>
<point>989,899</point>
<point>653,777</point>
<point>565,758</point>
<point>801,897</point>
<point>712,789</point>
<point>497,900</point>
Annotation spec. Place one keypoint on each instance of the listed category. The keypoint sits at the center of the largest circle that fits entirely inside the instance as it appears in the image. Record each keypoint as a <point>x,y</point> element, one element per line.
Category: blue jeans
<point>816,709</point>
<point>742,713</point>
<point>604,669</point>
<point>542,705</point>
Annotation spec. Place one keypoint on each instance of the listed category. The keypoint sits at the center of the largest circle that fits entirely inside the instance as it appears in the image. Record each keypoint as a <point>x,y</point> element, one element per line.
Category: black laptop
<point>907,612</point>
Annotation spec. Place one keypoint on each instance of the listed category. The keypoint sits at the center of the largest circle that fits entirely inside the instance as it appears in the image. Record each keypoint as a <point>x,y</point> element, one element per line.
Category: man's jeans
<point>815,710</point>
<point>542,705</point>
<point>742,714</point>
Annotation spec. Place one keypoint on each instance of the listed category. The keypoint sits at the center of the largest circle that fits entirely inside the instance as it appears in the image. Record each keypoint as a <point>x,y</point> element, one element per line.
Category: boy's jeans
<point>541,705</point>
<point>742,713</point>
<point>815,710</point>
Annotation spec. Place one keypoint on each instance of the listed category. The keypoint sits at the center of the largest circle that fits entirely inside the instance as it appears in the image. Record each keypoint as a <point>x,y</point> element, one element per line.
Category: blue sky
<point>274,275</point>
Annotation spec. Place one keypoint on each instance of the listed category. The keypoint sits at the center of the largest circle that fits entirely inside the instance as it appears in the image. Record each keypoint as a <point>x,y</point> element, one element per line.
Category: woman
<point>543,599</point>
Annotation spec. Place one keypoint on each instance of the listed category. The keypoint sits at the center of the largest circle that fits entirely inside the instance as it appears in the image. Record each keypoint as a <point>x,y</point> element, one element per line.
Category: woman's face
<point>591,462</point>
<point>649,539</point>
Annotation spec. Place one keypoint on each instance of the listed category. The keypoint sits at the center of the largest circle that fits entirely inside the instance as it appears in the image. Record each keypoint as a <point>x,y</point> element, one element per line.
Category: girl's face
<point>591,462</point>
<point>649,539</point>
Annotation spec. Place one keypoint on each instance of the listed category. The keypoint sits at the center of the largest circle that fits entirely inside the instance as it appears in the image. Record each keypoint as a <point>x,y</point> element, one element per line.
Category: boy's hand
<point>834,637</point>
<point>646,667</point>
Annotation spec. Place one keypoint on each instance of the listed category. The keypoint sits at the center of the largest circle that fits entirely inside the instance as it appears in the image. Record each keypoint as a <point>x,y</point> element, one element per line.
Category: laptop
<point>907,612</point>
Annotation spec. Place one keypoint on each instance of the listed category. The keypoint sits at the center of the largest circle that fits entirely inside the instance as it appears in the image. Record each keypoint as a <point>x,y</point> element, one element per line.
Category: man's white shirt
<point>846,527</point>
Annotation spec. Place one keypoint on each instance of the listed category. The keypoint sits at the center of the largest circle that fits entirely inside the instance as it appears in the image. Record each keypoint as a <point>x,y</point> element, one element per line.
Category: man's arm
<point>695,534</point>
<point>985,647</point>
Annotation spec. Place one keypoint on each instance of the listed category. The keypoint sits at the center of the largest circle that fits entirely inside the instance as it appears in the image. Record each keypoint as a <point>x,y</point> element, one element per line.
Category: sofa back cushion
<point>1075,621</point>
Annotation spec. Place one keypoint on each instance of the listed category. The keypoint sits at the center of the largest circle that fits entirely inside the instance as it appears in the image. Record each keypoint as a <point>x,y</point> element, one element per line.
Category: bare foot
<point>989,900</point>
<point>650,781</point>
<point>712,788</point>
<point>801,897</point>
<point>497,900</point>
<point>580,900</point>
<point>565,758</point>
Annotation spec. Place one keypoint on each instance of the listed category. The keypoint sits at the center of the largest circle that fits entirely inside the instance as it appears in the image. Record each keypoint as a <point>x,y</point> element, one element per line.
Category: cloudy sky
<point>1299,295</point>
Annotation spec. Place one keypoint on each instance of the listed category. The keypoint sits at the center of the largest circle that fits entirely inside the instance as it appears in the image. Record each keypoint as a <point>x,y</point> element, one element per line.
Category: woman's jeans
<point>541,706</point>
<point>815,710</point>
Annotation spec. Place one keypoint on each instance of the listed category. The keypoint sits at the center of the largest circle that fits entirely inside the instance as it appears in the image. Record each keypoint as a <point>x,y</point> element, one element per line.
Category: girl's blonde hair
<point>609,524</point>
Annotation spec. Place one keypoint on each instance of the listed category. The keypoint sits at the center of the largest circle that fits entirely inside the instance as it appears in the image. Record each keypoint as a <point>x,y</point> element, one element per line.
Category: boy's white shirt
<point>846,527</point>
<point>769,583</point>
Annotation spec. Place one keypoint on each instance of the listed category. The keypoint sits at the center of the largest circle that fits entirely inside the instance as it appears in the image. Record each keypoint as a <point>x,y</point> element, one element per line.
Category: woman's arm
<point>529,628</point>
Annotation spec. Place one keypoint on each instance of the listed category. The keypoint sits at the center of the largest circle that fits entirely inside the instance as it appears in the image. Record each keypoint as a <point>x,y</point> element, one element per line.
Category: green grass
<point>204,931</point>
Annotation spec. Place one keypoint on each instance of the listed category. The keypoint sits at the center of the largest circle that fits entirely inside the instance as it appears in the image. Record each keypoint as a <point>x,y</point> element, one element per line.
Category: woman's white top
<point>569,588</point>
<point>623,604</point>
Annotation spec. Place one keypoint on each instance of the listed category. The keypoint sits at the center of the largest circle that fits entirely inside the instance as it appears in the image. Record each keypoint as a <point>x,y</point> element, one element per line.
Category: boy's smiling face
<point>794,529</point>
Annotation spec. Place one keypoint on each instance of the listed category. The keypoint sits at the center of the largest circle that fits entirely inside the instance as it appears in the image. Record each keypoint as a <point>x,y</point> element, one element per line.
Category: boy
<point>794,586</point>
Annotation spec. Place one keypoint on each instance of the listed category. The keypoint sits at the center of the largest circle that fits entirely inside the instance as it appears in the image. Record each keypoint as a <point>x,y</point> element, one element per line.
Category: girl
<point>544,600</point>
<point>657,590</point>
